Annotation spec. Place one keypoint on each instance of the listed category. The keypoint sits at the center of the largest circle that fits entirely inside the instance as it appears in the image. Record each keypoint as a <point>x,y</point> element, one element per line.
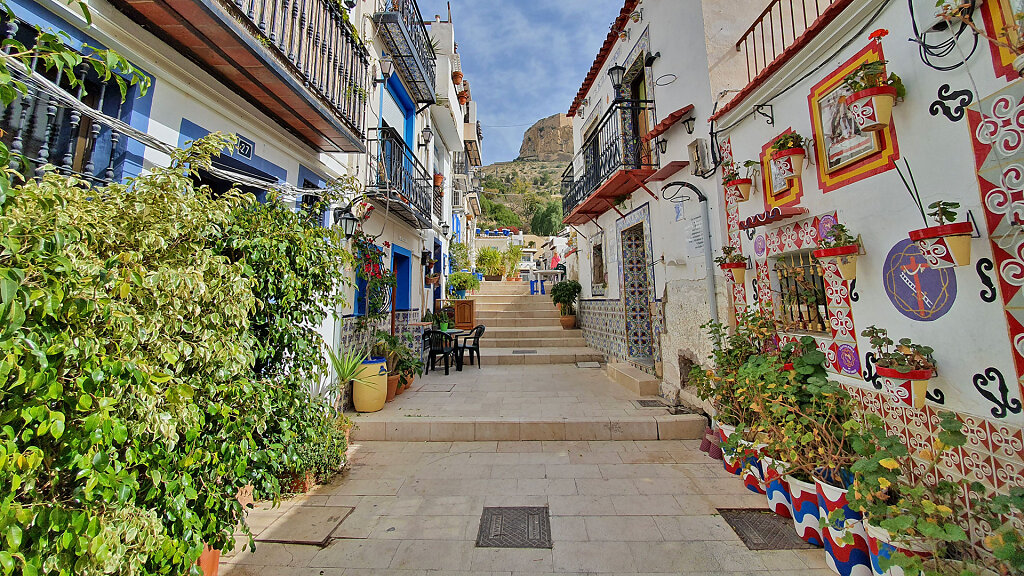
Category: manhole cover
<point>649,403</point>
<point>518,527</point>
<point>524,351</point>
<point>588,364</point>
<point>763,529</point>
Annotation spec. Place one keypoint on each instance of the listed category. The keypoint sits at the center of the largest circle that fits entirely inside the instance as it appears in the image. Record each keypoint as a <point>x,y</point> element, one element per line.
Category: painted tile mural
<point>603,323</point>
<point>352,338</point>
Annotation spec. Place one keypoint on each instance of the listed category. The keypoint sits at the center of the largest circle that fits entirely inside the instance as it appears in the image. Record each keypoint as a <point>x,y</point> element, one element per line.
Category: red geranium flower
<point>878,34</point>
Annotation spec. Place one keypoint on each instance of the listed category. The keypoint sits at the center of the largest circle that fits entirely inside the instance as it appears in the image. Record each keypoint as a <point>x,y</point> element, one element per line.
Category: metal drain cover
<point>650,403</point>
<point>763,529</point>
<point>516,527</point>
<point>524,351</point>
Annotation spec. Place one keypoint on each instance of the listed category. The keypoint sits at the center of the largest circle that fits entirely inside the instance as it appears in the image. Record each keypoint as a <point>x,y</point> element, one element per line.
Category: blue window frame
<point>401,263</point>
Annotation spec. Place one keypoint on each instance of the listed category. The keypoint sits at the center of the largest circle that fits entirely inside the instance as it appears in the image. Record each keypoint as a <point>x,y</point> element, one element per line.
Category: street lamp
<point>347,220</point>
<point>387,66</point>
<point>615,73</point>
<point>445,229</point>
<point>426,135</point>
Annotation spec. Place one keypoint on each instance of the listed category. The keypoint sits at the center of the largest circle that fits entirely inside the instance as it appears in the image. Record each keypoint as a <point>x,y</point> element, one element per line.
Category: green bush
<point>131,420</point>
<point>490,261</point>
<point>459,254</point>
<point>565,294</point>
<point>326,456</point>
<point>463,281</point>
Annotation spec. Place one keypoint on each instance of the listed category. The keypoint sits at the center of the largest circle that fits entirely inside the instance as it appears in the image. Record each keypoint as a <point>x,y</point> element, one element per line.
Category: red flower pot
<point>910,388</point>
<point>945,246</point>
<point>738,271</point>
<point>844,257</point>
<point>742,187</point>
<point>789,163</point>
<point>872,107</point>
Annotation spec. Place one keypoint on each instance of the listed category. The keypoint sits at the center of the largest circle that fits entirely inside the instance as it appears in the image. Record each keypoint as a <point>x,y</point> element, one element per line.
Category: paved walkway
<point>621,507</point>
<point>528,402</point>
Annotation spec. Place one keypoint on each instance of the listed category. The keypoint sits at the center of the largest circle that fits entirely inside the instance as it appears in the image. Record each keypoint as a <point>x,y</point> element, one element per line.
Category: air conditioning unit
<point>700,155</point>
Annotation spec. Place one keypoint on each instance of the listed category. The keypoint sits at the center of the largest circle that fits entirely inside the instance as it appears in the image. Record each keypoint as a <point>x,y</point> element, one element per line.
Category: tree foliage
<point>548,220</point>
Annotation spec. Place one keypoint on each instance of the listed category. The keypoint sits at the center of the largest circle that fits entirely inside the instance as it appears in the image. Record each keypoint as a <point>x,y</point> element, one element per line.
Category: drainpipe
<point>709,262</point>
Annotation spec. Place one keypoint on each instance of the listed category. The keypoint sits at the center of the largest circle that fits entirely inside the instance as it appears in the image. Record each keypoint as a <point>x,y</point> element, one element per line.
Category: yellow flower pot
<point>370,389</point>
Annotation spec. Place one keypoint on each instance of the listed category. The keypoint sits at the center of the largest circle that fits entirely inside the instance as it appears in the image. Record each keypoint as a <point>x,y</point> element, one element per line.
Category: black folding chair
<point>441,344</point>
<point>471,344</point>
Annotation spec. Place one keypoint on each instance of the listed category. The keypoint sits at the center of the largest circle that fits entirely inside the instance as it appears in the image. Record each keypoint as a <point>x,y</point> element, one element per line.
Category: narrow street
<point>621,507</point>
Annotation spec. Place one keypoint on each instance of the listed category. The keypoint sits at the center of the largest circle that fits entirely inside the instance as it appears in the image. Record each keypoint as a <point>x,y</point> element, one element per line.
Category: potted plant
<point>369,390</point>
<point>1009,36</point>
<point>909,366</point>
<point>438,180</point>
<point>432,279</point>
<point>489,260</point>
<point>409,366</point>
<point>348,368</point>
<point>841,247</point>
<point>948,243</point>
<point>873,95</point>
<point>565,294</point>
<point>393,348</point>
<point>463,97</point>
<point>733,261</point>
<point>442,320</point>
<point>741,185</point>
<point>787,155</point>
<point>460,282</point>
<point>457,77</point>
<point>511,257</point>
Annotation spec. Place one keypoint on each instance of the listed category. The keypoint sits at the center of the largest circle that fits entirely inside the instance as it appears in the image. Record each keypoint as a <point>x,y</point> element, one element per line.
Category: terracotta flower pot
<point>945,246</point>
<point>872,107</point>
<point>842,558</point>
<point>738,271</point>
<point>438,180</point>
<point>431,280</point>
<point>568,321</point>
<point>209,561</point>
<point>909,388</point>
<point>789,163</point>
<point>463,97</point>
<point>392,387</point>
<point>845,258</point>
<point>882,545</point>
<point>742,187</point>
<point>805,510</point>
<point>457,78</point>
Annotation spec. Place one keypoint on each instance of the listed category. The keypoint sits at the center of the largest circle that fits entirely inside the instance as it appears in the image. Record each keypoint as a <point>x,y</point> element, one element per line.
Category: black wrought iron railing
<point>459,165</point>
<point>401,27</point>
<point>315,37</point>
<point>48,123</point>
<point>400,174</point>
<point>616,144</point>
<point>438,203</point>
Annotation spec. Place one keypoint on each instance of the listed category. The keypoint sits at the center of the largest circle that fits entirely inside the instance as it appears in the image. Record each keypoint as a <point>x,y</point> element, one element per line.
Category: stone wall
<point>353,338</point>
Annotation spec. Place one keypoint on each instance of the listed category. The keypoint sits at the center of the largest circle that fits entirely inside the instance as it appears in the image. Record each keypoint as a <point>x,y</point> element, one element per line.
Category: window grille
<point>801,289</point>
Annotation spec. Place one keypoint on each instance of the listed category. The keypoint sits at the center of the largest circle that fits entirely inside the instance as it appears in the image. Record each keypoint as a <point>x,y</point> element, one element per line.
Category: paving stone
<point>310,525</point>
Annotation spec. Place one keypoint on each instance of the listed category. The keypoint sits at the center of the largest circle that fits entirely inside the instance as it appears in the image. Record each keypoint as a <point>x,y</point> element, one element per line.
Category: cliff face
<point>549,140</point>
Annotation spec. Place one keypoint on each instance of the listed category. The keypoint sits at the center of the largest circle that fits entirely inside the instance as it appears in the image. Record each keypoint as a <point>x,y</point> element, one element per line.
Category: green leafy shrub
<point>459,256</point>
<point>463,281</point>
<point>565,294</point>
<point>489,260</point>
<point>131,421</point>
<point>325,456</point>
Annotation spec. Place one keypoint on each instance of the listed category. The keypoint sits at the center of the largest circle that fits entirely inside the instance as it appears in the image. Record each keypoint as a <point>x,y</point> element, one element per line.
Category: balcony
<point>782,25</point>
<point>298,62</point>
<point>399,182</point>
<point>400,27</point>
<point>472,135</point>
<point>613,163</point>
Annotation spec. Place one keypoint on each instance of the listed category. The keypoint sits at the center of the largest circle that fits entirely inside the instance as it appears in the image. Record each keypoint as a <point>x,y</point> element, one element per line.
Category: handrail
<point>400,171</point>
<point>769,36</point>
<point>615,145</point>
<point>315,38</point>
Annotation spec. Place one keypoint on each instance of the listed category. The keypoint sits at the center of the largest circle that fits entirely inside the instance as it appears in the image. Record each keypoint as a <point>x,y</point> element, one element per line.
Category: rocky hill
<point>549,140</point>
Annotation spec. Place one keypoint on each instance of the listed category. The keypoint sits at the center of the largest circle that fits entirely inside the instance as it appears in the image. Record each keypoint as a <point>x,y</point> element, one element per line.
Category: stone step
<point>550,355</point>
<point>529,313</point>
<point>537,343</point>
<point>634,379</point>
<point>553,331</point>
<point>519,322</point>
<point>441,429</point>
<point>513,306</point>
<point>511,298</point>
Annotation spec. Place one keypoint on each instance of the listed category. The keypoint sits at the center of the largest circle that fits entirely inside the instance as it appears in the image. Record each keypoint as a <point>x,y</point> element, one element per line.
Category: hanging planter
<point>432,279</point>
<point>907,365</point>
<point>805,510</point>
<point>438,180</point>
<point>872,107</point>
<point>839,247</point>
<point>945,246</point>
<point>846,543</point>
<point>733,264</point>
<point>457,78</point>
<point>463,97</point>
<point>742,188</point>
<point>788,155</point>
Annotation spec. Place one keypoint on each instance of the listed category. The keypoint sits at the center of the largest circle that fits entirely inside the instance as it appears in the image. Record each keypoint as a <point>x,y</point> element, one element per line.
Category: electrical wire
<point>944,48</point>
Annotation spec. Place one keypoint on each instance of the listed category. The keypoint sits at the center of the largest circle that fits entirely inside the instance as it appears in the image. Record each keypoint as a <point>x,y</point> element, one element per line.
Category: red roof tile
<point>602,55</point>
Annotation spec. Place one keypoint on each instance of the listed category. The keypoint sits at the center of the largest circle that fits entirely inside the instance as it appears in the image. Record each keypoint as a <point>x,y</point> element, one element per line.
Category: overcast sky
<point>525,59</point>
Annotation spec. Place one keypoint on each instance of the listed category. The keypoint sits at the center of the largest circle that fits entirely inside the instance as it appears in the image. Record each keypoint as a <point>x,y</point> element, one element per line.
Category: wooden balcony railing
<point>777,28</point>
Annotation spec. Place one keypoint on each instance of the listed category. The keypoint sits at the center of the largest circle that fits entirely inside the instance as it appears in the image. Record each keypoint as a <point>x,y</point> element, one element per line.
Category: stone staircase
<point>525,329</point>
